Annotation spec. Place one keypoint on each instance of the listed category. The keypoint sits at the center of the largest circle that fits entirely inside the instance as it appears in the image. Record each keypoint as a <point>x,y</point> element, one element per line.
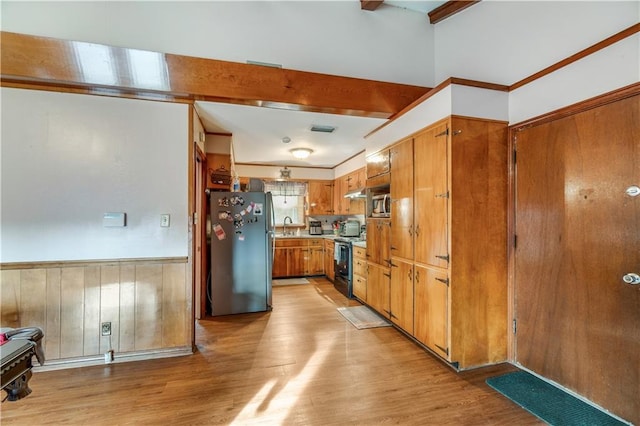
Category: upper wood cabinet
<point>402,199</point>
<point>320,197</point>
<point>356,179</point>
<point>378,163</point>
<point>431,196</point>
<point>344,184</point>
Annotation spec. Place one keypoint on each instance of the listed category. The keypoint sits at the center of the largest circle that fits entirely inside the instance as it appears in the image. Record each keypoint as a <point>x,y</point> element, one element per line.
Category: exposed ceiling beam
<point>77,65</point>
<point>370,4</point>
<point>449,8</point>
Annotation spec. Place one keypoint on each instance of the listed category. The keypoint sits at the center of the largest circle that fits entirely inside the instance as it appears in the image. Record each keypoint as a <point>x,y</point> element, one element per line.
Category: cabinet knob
<point>633,279</point>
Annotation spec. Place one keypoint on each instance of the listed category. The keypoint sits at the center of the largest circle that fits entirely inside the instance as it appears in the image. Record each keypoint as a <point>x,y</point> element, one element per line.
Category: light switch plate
<point>165,220</point>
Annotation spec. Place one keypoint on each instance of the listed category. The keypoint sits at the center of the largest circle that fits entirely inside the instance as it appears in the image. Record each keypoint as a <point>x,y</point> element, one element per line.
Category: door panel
<point>401,294</point>
<point>431,196</point>
<point>402,199</point>
<point>432,309</point>
<point>578,233</point>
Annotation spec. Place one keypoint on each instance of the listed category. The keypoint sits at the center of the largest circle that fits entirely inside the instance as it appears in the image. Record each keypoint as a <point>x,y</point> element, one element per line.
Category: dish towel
<point>336,252</point>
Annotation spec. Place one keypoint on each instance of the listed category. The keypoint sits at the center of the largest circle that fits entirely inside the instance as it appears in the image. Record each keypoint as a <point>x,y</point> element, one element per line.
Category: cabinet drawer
<point>360,267</point>
<point>291,242</point>
<point>360,252</point>
<point>315,242</point>
<point>360,287</point>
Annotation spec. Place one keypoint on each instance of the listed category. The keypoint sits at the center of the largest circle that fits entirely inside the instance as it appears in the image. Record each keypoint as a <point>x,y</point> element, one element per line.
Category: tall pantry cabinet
<point>448,239</point>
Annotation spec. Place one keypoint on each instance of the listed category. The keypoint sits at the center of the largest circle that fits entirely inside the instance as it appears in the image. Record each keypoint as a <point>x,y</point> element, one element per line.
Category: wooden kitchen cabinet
<point>431,309</point>
<point>448,225</point>
<point>315,261</point>
<point>401,157</point>
<point>401,294</point>
<point>320,197</point>
<point>378,283</point>
<point>378,242</point>
<point>377,164</point>
<point>329,253</point>
<point>296,257</point>
<point>360,273</point>
<point>339,202</point>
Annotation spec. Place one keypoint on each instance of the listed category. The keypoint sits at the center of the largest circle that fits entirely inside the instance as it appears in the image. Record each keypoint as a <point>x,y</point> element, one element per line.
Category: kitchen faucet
<point>284,224</point>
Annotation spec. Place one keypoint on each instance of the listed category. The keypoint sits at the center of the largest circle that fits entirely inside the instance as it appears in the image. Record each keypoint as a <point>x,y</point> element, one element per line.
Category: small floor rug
<point>548,402</point>
<point>362,317</point>
<point>289,281</point>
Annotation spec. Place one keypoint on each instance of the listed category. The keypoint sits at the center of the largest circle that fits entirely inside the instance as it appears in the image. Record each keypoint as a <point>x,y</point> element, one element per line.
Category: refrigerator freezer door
<point>239,253</point>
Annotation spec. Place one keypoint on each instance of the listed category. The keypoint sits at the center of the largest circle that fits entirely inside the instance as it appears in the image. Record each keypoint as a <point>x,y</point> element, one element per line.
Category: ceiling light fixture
<point>301,152</point>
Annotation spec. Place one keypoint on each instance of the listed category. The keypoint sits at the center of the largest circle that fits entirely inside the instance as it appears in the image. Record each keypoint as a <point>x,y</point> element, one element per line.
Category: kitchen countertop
<point>305,235</point>
<point>362,244</point>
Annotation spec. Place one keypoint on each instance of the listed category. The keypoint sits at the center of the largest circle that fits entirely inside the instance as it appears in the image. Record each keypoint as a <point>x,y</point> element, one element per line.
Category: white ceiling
<point>257,132</point>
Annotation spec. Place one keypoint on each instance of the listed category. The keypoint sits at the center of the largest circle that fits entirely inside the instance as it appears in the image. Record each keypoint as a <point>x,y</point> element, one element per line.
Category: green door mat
<point>548,402</point>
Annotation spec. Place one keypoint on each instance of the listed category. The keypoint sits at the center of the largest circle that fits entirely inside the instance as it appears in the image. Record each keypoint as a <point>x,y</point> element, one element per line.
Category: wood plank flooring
<point>301,364</point>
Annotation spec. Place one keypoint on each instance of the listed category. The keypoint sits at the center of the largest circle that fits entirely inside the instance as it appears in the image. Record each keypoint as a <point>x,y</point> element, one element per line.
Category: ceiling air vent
<point>322,129</point>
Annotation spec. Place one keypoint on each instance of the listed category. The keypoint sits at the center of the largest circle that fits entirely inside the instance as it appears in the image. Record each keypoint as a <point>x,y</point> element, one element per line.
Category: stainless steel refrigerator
<point>241,252</point>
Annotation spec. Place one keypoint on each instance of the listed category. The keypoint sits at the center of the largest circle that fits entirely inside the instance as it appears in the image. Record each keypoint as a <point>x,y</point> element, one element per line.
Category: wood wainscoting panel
<point>127,326</point>
<point>71,312</point>
<point>149,307</point>
<point>147,301</point>
<point>110,306</point>
<point>52,314</point>
<point>174,324</point>
<point>91,310</point>
<point>10,298</point>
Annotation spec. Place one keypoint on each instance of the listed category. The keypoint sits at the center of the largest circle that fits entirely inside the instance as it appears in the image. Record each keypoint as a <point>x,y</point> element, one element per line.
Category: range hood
<point>356,193</point>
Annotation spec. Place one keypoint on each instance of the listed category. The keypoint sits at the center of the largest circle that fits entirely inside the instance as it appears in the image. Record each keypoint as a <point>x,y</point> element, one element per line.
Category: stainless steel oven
<point>343,262</point>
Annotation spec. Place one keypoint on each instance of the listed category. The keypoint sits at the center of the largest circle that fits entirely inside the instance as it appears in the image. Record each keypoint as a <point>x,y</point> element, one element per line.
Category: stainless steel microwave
<point>381,205</point>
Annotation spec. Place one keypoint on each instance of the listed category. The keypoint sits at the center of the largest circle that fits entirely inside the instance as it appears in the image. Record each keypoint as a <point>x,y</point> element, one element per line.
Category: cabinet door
<point>280,262</point>
<point>377,163</point>
<point>384,242</point>
<point>431,197</point>
<point>298,258</point>
<point>373,240</point>
<point>401,294</point>
<point>432,309</point>
<point>320,197</point>
<point>378,281</point>
<point>315,263</point>
<point>338,196</point>
<point>360,287</point>
<point>402,199</point>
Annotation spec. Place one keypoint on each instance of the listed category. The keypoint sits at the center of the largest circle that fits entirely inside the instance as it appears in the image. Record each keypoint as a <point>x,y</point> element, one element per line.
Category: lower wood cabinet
<point>431,309</point>
<point>360,273</point>
<point>296,257</point>
<point>401,294</point>
<point>329,265</point>
<point>378,283</point>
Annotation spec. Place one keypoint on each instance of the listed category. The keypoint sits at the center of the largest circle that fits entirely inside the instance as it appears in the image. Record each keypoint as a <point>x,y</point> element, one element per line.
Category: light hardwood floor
<point>301,364</point>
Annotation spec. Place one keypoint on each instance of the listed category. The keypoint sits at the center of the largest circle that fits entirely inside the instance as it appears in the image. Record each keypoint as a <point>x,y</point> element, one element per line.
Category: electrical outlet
<point>106,328</point>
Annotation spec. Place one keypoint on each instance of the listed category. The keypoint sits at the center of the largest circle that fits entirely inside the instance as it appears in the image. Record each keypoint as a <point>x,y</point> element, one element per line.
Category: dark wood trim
<point>281,166</point>
<point>95,91</point>
<point>606,98</point>
<point>94,262</point>
<point>37,60</point>
<point>435,90</point>
<point>583,53</point>
<point>370,4</point>
<point>448,9</point>
<point>218,134</point>
<point>350,158</point>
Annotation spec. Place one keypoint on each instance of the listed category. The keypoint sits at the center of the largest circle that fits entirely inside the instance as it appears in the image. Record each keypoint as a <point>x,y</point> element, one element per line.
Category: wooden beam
<point>370,4</point>
<point>448,9</point>
<point>100,69</point>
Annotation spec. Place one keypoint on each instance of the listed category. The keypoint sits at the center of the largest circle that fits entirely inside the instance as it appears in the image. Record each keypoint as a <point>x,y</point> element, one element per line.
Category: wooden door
<point>401,294</point>
<point>373,240</point>
<point>201,254</point>
<point>338,196</point>
<point>578,234</point>
<point>432,309</point>
<point>298,261</point>
<point>402,199</point>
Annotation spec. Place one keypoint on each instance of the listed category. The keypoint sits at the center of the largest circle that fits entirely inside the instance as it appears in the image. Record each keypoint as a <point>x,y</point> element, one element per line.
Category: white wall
<point>505,41</point>
<point>331,37</point>
<point>67,159</point>
<point>350,165</point>
<point>606,70</point>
